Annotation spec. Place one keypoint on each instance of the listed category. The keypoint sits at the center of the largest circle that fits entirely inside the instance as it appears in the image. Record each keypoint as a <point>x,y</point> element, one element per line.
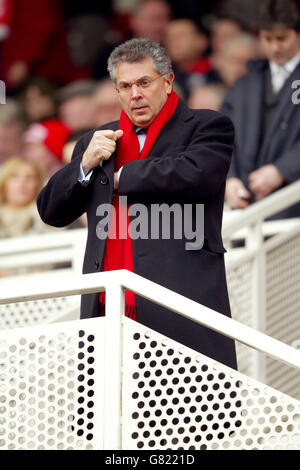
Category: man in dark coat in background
<point>182,159</point>
<point>264,108</point>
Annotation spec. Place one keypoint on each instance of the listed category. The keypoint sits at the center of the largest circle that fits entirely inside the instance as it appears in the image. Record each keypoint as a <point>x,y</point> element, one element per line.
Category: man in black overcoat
<point>187,165</point>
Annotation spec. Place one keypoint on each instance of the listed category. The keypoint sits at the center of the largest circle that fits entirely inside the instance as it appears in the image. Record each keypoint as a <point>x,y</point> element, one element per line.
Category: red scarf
<point>118,252</point>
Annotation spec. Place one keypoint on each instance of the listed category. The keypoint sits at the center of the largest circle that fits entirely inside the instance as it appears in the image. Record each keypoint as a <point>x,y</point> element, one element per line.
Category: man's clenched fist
<point>101,147</point>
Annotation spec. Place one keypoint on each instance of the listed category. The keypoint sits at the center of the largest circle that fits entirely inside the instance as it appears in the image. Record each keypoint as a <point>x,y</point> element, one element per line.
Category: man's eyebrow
<point>141,78</point>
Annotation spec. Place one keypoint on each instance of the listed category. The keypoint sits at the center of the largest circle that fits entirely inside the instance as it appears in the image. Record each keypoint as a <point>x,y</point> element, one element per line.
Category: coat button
<point>283,125</point>
<point>103,179</point>
<point>97,265</point>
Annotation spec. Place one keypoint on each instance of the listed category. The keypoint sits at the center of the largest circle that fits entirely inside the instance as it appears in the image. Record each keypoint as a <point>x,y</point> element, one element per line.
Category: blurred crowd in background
<point>53,59</point>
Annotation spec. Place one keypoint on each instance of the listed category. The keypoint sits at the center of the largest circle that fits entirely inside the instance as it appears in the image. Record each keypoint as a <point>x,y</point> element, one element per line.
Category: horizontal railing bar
<point>263,209</point>
<point>270,228</point>
<point>73,285</point>
<point>279,239</point>
<point>213,320</point>
<point>203,315</point>
<point>36,259</point>
<point>235,259</point>
<point>62,238</point>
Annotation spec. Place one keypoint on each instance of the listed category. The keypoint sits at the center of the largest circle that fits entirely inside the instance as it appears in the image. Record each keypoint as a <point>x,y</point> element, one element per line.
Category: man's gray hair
<point>136,50</point>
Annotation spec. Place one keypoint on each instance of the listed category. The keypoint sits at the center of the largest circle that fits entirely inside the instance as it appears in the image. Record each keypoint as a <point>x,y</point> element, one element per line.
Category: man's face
<point>108,107</point>
<point>142,105</point>
<point>184,42</point>
<point>22,186</point>
<point>78,112</point>
<point>150,20</point>
<point>222,30</point>
<point>280,44</point>
<point>233,61</point>
<point>10,140</point>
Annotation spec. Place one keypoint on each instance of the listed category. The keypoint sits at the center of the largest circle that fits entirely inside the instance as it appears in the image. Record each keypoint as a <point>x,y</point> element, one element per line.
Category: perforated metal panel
<point>283,309</point>
<point>174,398</point>
<point>39,312</point>
<point>51,394</point>
<point>239,281</point>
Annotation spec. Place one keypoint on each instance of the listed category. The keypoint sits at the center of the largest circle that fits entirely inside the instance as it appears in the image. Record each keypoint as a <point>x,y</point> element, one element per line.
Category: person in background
<point>107,103</point>
<point>224,26</point>
<point>5,18</point>
<point>12,126</point>
<point>70,144</point>
<point>148,20</point>
<point>20,183</point>
<point>37,45</point>
<point>210,96</point>
<point>231,61</point>
<point>43,144</point>
<point>267,148</point>
<point>187,44</point>
<point>76,104</point>
<point>37,100</point>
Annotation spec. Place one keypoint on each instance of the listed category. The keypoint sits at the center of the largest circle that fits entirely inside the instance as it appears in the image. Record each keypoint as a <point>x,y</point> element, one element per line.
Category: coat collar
<point>165,141</point>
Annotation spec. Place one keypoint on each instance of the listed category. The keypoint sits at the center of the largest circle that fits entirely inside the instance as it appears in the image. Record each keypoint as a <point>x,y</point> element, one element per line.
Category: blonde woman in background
<point>20,183</point>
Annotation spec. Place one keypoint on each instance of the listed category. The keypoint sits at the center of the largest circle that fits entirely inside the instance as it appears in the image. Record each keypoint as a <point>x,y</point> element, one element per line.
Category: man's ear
<point>169,82</point>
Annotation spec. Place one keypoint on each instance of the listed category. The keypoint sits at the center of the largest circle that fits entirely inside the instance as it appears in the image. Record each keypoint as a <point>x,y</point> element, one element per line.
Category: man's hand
<point>101,147</point>
<point>236,194</point>
<point>265,180</point>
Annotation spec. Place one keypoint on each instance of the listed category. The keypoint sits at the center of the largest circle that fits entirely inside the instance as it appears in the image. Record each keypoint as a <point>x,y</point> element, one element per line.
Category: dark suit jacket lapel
<point>283,112</point>
<point>166,140</point>
<point>254,117</point>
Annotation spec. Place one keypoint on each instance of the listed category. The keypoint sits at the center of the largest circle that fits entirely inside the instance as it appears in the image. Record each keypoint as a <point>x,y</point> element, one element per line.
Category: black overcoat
<point>188,164</point>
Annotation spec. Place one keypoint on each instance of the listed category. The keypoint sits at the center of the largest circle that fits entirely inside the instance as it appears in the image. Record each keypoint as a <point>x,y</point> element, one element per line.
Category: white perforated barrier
<point>52,394</point>
<point>239,281</point>
<point>283,307</point>
<point>112,383</point>
<point>175,398</point>
<point>278,316</point>
<point>41,311</point>
<point>38,312</point>
<point>51,386</point>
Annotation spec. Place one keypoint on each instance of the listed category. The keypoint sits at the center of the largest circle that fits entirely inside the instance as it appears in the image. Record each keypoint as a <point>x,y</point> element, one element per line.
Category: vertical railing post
<point>255,241</point>
<point>78,252</point>
<point>113,362</point>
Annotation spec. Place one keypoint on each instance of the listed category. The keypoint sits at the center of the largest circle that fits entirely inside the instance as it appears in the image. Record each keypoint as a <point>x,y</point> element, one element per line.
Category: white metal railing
<point>261,210</point>
<point>114,283</point>
<point>68,246</point>
<point>35,259</point>
<point>266,262</point>
<point>43,250</point>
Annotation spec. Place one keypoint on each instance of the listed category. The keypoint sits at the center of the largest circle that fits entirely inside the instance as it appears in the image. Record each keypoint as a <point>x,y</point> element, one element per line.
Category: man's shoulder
<point>201,115</point>
<point>208,116</point>
<point>256,70</point>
